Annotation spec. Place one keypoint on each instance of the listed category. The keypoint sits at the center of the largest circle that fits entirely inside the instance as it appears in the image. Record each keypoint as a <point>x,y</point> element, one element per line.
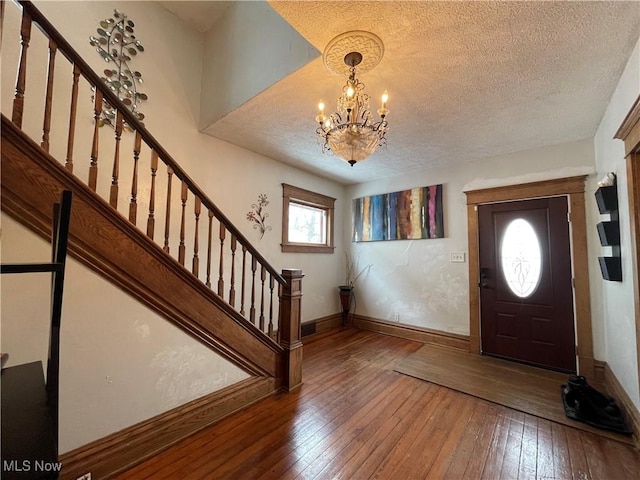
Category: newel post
<point>290,327</point>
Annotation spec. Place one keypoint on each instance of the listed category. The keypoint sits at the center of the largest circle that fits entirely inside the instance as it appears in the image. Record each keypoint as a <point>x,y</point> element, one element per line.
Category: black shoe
<point>596,398</point>
<point>589,406</point>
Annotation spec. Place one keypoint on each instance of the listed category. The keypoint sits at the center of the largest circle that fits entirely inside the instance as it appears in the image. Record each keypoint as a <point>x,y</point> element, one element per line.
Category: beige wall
<point>120,363</point>
<point>233,71</point>
<point>619,310</point>
<point>415,278</point>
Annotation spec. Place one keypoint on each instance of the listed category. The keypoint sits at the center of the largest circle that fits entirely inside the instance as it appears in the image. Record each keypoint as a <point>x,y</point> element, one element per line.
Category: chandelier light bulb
<point>385,97</point>
<point>320,118</point>
<point>350,91</point>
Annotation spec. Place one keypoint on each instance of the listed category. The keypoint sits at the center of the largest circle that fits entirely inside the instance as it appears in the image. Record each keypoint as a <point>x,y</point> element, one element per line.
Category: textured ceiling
<point>466,80</point>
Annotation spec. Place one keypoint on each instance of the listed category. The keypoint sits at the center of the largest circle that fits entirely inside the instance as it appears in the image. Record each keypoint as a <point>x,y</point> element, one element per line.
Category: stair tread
<point>27,423</point>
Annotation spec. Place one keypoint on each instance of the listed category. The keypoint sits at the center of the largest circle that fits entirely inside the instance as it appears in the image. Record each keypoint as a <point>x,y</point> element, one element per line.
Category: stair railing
<point>208,244</point>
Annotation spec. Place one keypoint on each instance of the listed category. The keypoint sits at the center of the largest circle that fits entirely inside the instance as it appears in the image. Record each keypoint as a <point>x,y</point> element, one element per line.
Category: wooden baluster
<point>72,118</point>
<point>133,206</point>
<point>263,276</point>
<point>289,329</point>
<point>183,198</point>
<point>252,308</point>
<point>93,168</point>
<point>46,124</point>
<point>168,212</point>
<point>209,237</point>
<point>223,232</point>
<point>151,221</point>
<point>271,285</point>
<point>113,194</point>
<point>244,269</point>
<point>278,338</point>
<point>196,260</point>
<point>18,99</point>
<point>232,289</point>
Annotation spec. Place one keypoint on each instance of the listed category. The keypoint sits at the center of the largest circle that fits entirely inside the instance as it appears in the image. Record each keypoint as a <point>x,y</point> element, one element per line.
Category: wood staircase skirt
<point>103,240</point>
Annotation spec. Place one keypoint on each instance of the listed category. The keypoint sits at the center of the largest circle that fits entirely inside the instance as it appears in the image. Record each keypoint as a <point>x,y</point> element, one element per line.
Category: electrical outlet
<point>396,317</point>
<point>86,476</point>
<point>457,257</point>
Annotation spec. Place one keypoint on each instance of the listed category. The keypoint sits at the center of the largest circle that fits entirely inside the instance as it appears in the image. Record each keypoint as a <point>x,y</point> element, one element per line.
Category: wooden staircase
<point>226,295</point>
<point>112,246</point>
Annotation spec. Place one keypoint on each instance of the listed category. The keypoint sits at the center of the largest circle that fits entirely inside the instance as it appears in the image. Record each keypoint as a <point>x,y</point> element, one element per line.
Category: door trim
<point>573,187</point>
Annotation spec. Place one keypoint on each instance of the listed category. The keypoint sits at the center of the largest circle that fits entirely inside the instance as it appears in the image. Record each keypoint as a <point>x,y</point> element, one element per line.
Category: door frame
<point>573,188</point>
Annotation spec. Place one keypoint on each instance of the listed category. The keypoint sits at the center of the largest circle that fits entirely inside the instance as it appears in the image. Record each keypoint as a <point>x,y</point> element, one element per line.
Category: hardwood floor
<point>514,385</point>
<point>355,418</point>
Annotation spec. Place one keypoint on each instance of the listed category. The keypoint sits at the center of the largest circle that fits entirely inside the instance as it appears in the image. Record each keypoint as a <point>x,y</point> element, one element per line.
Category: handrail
<point>87,72</point>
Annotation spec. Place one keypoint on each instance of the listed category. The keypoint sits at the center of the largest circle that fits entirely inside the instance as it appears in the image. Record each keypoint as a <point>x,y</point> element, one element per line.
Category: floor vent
<point>308,328</point>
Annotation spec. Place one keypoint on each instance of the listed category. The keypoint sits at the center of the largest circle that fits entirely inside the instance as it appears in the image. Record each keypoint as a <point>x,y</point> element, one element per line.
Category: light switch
<point>457,257</point>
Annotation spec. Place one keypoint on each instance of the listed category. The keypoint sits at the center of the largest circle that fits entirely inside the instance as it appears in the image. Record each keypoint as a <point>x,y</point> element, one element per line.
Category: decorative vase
<point>346,293</point>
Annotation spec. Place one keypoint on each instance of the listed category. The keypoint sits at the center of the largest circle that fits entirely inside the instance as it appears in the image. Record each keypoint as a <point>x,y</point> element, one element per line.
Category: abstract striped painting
<point>405,215</point>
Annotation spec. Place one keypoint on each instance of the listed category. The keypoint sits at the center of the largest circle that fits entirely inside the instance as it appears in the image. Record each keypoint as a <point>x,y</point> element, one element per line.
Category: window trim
<point>301,196</point>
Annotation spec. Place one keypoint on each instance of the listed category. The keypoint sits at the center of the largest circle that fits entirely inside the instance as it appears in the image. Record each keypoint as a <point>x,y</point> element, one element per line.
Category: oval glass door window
<point>520,257</point>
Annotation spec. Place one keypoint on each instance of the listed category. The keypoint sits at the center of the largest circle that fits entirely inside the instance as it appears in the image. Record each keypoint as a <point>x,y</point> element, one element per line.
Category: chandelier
<point>352,133</point>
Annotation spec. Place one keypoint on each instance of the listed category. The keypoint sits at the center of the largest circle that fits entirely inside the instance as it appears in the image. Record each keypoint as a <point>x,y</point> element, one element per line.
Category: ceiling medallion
<point>352,133</point>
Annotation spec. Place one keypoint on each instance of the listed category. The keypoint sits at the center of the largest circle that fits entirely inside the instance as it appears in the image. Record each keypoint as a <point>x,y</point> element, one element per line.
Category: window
<point>307,221</point>
<point>521,258</point>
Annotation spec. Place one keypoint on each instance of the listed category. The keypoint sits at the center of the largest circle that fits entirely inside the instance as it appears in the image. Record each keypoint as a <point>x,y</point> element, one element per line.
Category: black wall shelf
<point>611,268</point>
<point>609,233</point>
<point>607,199</point>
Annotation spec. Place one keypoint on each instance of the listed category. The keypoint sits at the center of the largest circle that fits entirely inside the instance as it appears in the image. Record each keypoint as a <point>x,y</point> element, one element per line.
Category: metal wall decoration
<point>117,45</point>
<point>405,215</point>
<point>258,216</point>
